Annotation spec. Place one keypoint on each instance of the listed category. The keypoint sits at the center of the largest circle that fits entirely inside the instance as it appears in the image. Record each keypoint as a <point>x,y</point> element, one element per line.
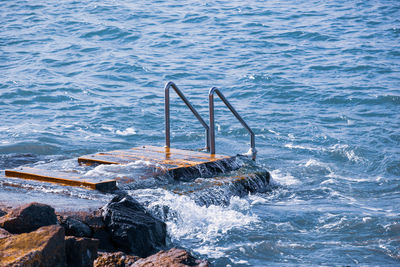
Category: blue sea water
<point>318,82</point>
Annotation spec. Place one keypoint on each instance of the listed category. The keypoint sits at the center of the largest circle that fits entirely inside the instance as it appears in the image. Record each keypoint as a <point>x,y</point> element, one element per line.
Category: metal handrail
<point>252,151</point>
<point>167,119</point>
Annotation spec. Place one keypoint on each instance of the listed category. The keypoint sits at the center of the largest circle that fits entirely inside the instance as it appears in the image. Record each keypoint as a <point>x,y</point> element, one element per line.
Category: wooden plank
<point>64,178</point>
<point>167,157</point>
<point>175,151</point>
<point>146,155</point>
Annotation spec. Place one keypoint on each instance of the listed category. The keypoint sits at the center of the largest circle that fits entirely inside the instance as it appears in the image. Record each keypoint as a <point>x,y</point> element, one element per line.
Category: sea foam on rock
<point>124,226</point>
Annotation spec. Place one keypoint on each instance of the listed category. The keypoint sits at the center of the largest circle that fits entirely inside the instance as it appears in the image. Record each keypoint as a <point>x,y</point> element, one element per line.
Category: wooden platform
<point>64,178</point>
<point>180,164</point>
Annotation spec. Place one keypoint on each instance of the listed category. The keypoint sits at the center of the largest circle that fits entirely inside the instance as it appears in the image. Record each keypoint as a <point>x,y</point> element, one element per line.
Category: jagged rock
<point>43,247</point>
<point>4,209</point>
<point>94,220</point>
<point>173,257</point>
<point>2,213</point>
<point>81,251</point>
<point>116,259</point>
<point>133,230</point>
<point>99,231</point>
<point>28,218</point>
<point>4,233</point>
<point>74,227</point>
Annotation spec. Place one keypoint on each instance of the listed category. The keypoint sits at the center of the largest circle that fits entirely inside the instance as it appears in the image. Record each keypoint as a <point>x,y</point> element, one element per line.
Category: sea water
<point>317,81</point>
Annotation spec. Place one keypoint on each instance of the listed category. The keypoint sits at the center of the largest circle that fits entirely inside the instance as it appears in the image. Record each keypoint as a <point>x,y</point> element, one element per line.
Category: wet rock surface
<point>4,233</point>
<point>28,218</point>
<point>75,227</point>
<point>2,212</point>
<point>43,247</point>
<point>80,251</point>
<point>123,229</point>
<point>173,257</point>
<point>87,224</point>
<point>133,230</point>
<point>116,259</point>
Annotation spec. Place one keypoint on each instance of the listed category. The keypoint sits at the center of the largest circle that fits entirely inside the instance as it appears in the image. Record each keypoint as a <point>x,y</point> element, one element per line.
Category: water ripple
<point>318,82</point>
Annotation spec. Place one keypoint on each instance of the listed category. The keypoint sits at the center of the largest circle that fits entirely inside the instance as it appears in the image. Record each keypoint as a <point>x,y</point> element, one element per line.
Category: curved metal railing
<point>194,111</point>
<point>252,151</point>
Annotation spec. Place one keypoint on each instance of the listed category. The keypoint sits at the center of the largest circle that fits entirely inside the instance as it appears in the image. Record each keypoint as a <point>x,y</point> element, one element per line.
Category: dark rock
<point>4,233</point>
<point>133,230</point>
<point>106,243</point>
<point>116,259</point>
<point>2,213</point>
<point>28,218</point>
<point>173,257</point>
<point>99,230</point>
<point>94,220</point>
<point>74,227</point>
<point>43,247</point>
<point>81,251</point>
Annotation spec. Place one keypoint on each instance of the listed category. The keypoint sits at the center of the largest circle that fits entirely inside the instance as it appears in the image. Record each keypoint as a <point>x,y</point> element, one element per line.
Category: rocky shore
<point>122,233</point>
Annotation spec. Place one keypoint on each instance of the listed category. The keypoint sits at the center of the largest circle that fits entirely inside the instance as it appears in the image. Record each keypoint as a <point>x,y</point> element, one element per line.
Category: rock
<point>116,259</point>
<point>28,218</point>
<point>4,209</point>
<point>2,213</point>
<point>94,220</point>
<point>74,227</point>
<point>173,257</point>
<point>99,231</point>
<point>133,230</point>
<point>43,247</point>
<point>4,233</point>
<point>81,251</point>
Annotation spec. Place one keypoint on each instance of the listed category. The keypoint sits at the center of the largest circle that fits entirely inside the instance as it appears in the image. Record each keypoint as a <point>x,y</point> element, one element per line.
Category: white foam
<point>313,162</point>
<point>291,146</point>
<point>127,131</point>
<point>346,151</point>
<point>283,179</point>
<point>318,165</point>
<point>257,200</point>
<point>187,220</point>
<point>347,178</point>
<point>118,170</point>
<point>272,131</point>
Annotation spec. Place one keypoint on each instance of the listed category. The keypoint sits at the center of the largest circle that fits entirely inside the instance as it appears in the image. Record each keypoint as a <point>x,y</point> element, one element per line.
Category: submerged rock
<point>132,228</point>
<point>116,259</point>
<point>173,257</point>
<point>28,218</point>
<point>43,247</point>
<point>81,251</point>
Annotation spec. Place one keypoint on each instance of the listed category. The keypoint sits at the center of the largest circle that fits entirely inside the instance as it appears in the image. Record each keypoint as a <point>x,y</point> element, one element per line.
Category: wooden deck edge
<point>212,167</point>
<point>101,186</point>
<point>88,161</point>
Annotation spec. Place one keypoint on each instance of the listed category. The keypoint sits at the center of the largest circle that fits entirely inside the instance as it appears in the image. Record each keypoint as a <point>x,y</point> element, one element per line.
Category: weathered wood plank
<point>64,178</point>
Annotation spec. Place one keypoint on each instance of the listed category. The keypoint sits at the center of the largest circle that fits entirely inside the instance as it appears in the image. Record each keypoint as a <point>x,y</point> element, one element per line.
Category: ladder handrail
<point>213,90</point>
<point>194,111</point>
